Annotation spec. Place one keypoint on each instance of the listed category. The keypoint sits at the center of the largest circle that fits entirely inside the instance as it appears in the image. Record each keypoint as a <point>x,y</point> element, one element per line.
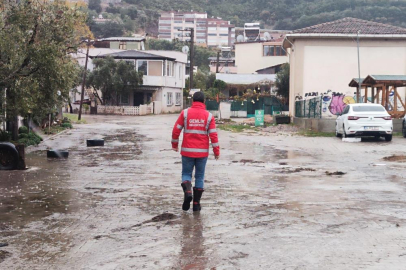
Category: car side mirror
<point>338,114</point>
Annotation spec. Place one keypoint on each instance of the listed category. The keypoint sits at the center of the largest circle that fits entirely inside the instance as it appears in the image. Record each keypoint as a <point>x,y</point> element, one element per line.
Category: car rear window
<point>368,109</point>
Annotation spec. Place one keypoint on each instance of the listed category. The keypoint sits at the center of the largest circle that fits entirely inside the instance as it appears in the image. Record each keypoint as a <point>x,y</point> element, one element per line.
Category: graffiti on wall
<point>333,103</point>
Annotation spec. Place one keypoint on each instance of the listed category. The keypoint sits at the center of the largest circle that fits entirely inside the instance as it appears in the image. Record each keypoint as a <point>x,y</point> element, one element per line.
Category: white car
<point>364,119</point>
<point>404,127</point>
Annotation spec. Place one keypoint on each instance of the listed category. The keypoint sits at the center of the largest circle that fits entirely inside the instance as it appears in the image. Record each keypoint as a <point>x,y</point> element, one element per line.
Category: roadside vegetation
<point>73,118</point>
<point>236,127</point>
<point>310,133</point>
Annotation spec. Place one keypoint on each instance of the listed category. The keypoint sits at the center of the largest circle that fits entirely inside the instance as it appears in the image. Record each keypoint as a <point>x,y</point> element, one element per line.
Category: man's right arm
<point>177,129</point>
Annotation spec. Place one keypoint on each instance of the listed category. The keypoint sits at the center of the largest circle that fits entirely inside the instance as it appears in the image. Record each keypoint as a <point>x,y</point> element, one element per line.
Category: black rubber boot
<point>197,194</point>
<point>187,190</point>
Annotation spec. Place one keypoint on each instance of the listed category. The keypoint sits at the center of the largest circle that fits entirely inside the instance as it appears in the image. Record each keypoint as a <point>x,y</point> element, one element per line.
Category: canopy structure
<point>382,89</point>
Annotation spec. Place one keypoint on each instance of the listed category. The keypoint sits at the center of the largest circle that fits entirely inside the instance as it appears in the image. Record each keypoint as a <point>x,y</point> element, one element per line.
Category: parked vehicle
<point>404,127</point>
<point>363,119</point>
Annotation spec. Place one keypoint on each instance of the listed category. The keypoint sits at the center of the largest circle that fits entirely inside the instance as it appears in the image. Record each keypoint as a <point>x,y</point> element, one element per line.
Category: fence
<point>126,110</point>
<point>309,108</point>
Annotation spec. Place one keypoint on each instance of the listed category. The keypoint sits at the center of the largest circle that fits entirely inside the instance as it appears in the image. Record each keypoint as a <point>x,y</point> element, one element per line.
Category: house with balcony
<point>163,80</point>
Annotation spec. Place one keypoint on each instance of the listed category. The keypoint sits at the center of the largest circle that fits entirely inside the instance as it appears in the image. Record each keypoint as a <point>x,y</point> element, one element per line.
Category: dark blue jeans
<point>188,164</point>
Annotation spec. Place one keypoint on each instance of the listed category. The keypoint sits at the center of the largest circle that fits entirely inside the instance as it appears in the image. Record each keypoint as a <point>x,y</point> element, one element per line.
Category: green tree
<point>282,81</point>
<point>95,5</point>
<point>109,29</point>
<point>112,79</point>
<point>201,55</point>
<point>35,41</point>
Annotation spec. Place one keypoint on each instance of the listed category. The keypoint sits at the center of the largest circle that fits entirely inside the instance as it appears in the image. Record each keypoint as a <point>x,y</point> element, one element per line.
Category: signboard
<point>259,118</point>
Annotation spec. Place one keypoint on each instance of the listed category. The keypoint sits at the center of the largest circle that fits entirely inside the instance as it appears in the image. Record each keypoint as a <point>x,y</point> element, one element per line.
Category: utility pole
<point>359,70</point>
<point>218,62</point>
<point>84,80</point>
<point>192,53</point>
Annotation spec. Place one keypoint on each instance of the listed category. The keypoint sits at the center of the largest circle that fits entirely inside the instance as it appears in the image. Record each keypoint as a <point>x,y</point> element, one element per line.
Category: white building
<point>324,59</point>
<point>212,32</point>
<point>163,80</point>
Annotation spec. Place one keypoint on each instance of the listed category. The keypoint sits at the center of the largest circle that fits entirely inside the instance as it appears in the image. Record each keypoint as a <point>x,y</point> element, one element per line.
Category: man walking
<point>198,125</point>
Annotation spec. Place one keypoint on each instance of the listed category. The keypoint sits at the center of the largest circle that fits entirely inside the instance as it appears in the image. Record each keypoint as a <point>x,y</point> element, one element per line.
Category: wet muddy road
<point>271,202</point>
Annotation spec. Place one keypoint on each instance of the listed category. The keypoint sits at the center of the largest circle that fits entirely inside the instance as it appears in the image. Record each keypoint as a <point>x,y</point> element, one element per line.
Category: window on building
<point>224,35</point>
<point>122,45</point>
<point>178,21</point>
<point>154,68</point>
<point>164,22</point>
<point>164,27</point>
<point>170,68</point>
<point>200,28</point>
<point>212,28</point>
<point>125,99</point>
<point>169,99</point>
<point>178,99</point>
<point>177,27</point>
<point>200,34</point>
<point>215,35</point>
<point>180,71</point>
<point>271,50</point>
<point>142,66</point>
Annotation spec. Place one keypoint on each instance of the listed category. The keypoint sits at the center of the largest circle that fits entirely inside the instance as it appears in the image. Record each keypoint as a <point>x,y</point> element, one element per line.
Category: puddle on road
<point>38,192</point>
<point>395,158</point>
<point>193,250</point>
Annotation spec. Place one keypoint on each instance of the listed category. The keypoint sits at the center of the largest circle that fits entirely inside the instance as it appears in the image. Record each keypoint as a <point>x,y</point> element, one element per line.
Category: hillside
<point>276,14</point>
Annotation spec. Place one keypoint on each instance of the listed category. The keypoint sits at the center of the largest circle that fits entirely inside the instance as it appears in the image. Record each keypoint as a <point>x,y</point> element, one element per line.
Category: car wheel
<point>338,135</point>
<point>388,138</point>
<point>8,156</point>
<point>404,129</point>
<point>344,134</point>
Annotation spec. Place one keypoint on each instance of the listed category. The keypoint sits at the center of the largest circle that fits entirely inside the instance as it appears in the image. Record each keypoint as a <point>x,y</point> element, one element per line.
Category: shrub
<point>4,136</point>
<point>65,120</point>
<point>23,130</point>
<point>66,125</point>
<point>30,139</point>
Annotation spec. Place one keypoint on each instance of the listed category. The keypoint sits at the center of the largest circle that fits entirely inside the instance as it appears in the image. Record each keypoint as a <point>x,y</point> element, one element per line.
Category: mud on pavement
<point>271,202</point>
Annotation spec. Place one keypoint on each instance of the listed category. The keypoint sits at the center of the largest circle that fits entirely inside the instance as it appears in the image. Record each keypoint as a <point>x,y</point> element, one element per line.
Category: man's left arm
<point>177,129</point>
<point>214,138</point>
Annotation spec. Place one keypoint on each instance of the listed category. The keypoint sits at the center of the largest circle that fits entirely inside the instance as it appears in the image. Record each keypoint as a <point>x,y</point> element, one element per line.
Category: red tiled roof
<point>352,26</point>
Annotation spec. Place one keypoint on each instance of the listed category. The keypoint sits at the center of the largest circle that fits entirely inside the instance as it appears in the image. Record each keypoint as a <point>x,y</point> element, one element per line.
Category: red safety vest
<point>198,125</point>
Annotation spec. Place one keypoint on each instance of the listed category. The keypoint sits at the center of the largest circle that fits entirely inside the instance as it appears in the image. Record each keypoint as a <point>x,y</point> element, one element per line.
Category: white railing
<point>126,110</point>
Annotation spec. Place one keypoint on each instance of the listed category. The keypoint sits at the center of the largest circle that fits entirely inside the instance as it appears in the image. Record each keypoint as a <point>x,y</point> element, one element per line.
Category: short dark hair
<point>198,96</point>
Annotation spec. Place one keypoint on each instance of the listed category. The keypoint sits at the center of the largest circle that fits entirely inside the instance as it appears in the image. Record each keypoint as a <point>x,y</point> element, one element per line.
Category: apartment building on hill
<point>211,32</point>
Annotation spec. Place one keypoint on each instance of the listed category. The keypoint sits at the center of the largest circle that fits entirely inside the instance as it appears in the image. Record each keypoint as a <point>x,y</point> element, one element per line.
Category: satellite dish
<point>267,36</point>
<point>185,49</point>
<point>240,38</point>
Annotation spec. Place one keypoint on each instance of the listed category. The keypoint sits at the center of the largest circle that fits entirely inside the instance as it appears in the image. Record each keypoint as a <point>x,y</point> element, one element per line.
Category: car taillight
<point>387,117</point>
<point>353,117</point>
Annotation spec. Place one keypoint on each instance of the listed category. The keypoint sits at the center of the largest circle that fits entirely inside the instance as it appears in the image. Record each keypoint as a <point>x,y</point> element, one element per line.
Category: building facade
<point>212,32</point>
<point>163,79</point>
<point>256,55</point>
<point>324,58</point>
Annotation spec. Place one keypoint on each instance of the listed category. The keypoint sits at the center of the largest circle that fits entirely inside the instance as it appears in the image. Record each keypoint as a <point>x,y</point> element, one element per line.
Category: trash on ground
<point>400,158</point>
<point>335,173</point>
<point>351,139</point>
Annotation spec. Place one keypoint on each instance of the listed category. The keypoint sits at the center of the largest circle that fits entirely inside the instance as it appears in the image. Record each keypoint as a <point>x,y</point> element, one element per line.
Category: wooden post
<point>358,93</point>
<point>366,94</point>
<point>395,99</point>
<point>373,94</point>
<point>387,97</point>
